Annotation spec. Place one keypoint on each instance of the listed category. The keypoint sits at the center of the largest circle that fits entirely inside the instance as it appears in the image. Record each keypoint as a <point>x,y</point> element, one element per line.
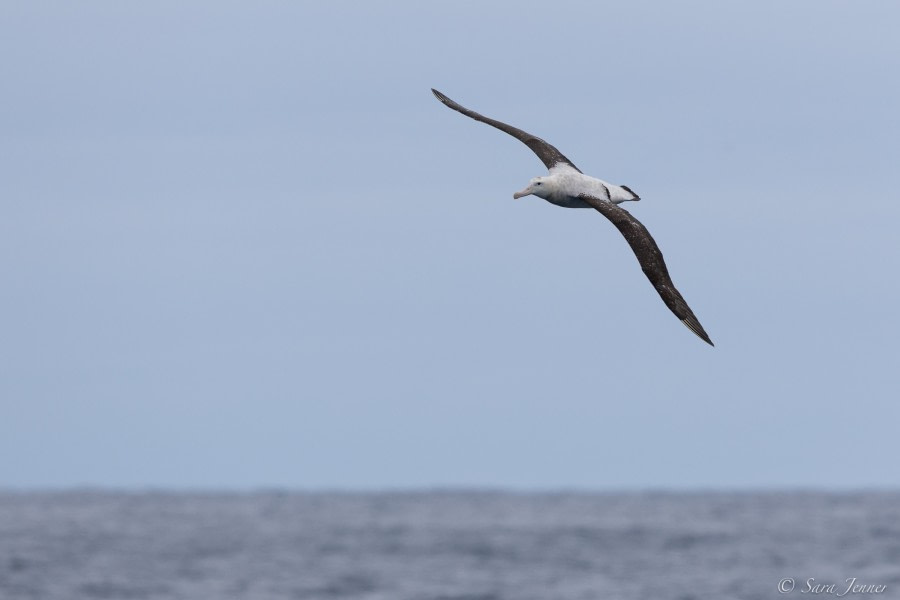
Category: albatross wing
<point>549,155</point>
<point>651,260</point>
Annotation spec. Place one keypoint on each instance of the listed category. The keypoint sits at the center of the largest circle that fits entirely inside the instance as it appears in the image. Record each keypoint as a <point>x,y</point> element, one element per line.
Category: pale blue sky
<point>242,245</point>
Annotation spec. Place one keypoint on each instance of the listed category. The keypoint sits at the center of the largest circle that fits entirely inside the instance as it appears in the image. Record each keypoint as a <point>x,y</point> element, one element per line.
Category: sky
<point>242,246</point>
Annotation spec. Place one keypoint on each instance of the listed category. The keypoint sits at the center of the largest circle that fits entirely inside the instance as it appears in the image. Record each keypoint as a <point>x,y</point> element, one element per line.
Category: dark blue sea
<point>448,545</point>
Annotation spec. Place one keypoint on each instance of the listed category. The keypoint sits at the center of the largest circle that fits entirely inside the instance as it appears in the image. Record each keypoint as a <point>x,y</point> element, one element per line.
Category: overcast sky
<point>242,245</point>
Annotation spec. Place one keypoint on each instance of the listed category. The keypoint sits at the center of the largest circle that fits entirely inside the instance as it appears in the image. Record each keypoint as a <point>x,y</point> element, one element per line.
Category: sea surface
<point>448,545</point>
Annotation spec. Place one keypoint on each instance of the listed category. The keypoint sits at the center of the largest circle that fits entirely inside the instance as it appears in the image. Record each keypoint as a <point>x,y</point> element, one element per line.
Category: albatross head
<point>539,186</point>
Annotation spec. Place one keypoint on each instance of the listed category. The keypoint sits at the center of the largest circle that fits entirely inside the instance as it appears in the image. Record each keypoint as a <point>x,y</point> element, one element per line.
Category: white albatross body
<point>567,186</point>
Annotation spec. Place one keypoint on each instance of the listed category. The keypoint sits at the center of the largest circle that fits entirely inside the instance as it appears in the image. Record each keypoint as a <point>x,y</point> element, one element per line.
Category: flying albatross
<point>567,186</point>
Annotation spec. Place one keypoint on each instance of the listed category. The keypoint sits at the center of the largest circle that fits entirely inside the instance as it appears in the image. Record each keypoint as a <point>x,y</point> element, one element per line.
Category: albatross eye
<point>539,183</point>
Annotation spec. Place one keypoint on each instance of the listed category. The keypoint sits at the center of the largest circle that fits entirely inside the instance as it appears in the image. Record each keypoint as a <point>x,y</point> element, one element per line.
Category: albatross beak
<point>522,194</point>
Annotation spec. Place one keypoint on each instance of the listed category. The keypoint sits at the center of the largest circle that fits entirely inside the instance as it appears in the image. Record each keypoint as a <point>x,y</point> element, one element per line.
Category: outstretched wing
<point>549,155</point>
<point>651,260</point>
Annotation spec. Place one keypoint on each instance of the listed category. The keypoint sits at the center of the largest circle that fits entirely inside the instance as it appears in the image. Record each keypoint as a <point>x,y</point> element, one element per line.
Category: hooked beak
<point>522,194</point>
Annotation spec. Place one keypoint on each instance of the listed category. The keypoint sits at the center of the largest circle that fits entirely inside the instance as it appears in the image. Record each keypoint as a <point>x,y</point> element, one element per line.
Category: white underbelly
<point>568,202</point>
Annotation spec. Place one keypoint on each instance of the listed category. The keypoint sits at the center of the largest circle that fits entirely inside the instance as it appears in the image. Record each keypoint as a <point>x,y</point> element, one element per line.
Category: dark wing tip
<point>440,96</point>
<point>446,101</point>
<point>696,328</point>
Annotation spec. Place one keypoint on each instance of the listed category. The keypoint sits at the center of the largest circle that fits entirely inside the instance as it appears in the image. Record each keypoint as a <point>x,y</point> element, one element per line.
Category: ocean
<point>448,545</point>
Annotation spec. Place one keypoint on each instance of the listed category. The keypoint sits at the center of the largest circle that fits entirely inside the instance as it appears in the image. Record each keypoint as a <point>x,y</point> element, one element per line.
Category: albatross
<point>567,186</point>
